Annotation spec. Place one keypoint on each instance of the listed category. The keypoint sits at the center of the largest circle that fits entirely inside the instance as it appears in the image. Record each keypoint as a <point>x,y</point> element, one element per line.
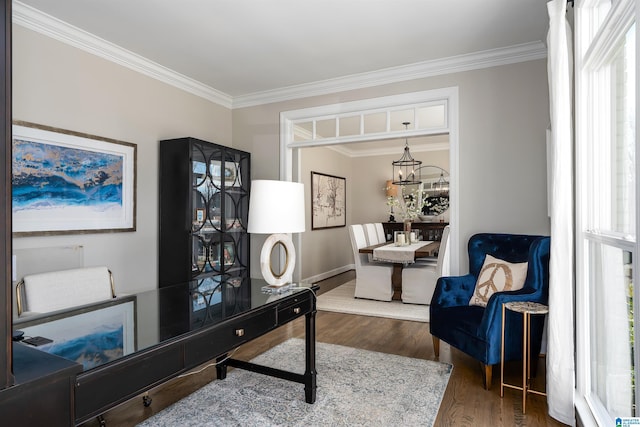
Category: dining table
<point>399,256</point>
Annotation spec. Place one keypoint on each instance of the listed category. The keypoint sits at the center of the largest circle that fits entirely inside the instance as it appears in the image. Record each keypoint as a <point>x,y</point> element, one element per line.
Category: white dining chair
<point>372,234</point>
<point>419,280</point>
<point>382,238</point>
<point>373,280</point>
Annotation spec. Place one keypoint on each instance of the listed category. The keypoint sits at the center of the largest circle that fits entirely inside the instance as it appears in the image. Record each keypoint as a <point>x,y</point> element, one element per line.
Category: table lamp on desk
<point>276,208</point>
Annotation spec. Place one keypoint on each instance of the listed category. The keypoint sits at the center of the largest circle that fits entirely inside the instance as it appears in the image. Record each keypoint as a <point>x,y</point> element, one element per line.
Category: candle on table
<point>401,239</point>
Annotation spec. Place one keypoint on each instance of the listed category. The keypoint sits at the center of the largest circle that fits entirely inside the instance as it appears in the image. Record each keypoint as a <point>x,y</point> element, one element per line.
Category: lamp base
<point>284,277</point>
<point>276,290</point>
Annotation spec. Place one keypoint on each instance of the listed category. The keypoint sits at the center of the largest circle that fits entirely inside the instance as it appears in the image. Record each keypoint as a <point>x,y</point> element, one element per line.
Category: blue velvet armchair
<point>477,330</point>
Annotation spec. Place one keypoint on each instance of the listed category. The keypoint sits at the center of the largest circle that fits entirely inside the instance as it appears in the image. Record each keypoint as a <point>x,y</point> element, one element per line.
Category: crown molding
<point>454,64</point>
<point>415,148</point>
<point>33,19</point>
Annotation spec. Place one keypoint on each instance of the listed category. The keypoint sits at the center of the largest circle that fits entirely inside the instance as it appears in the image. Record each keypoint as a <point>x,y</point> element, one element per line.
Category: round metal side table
<point>527,309</point>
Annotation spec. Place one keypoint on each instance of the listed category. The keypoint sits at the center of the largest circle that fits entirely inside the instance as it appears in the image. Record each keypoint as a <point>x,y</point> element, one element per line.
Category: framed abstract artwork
<point>328,201</point>
<point>65,182</point>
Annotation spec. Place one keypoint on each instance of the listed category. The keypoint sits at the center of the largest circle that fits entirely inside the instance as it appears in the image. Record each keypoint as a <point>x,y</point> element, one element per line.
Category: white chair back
<point>372,234</point>
<point>381,236</point>
<point>358,240</point>
<point>373,280</point>
<point>57,290</point>
<point>443,267</point>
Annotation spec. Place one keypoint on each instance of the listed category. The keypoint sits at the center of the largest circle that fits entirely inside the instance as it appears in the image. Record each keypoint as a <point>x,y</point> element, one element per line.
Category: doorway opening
<point>432,112</point>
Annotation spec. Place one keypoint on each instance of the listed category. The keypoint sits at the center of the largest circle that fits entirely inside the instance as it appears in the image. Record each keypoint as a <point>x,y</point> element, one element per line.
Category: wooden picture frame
<point>66,182</point>
<point>328,201</point>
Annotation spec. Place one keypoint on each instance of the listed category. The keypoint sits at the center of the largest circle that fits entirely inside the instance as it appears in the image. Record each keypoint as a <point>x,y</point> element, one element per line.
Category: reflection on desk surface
<point>92,336</point>
<point>99,333</point>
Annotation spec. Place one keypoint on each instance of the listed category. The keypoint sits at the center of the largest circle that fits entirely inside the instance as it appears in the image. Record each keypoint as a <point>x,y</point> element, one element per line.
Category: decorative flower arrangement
<point>417,203</point>
<point>406,209</point>
<point>409,207</point>
<point>435,205</point>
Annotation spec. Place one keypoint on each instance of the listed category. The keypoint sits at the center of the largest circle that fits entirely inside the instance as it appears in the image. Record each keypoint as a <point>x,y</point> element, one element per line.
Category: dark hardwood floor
<point>465,403</point>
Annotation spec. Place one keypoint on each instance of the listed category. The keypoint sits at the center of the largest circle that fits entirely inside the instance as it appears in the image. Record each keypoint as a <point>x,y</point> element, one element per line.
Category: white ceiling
<point>246,46</point>
<point>251,50</point>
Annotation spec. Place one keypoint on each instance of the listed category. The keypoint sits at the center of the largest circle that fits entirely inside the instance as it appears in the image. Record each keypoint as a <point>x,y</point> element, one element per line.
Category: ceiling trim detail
<point>33,19</point>
<point>47,25</point>
<point>454,64</point>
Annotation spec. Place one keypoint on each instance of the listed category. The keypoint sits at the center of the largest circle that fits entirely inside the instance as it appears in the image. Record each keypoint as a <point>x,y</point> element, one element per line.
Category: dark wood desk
<point>428,250</point>
<point>43,391</point>
<point>171,339</point>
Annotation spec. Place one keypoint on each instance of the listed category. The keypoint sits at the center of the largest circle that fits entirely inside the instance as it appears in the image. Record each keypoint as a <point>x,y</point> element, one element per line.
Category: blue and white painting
<point>49,176</point>
<point>64,182</point>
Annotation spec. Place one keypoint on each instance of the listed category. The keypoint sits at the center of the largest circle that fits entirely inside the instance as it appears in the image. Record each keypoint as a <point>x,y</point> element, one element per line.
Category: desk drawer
<point>296,308</point>
<point>225,338</point>
<point>101,388</point>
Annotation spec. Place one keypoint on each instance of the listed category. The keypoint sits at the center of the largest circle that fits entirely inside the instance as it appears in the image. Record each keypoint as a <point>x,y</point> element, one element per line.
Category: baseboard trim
<point>330,273</point>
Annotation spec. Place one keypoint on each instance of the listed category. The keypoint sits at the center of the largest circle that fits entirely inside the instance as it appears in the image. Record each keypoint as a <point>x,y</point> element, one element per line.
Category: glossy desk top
<point>99,333</point>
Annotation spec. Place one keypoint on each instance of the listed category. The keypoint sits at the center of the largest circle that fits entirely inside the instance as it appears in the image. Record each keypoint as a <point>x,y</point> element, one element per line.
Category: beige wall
<point>57,85</point>
<point>325,249</point>
<point>503,114</point>
<point>369,201</point>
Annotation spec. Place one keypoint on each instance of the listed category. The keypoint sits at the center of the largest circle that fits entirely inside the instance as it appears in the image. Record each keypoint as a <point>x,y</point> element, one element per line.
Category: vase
<point>407,231</point>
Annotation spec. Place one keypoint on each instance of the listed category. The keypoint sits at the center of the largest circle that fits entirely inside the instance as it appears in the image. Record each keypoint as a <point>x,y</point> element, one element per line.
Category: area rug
<point>342,300</point>
<point>355,388</point>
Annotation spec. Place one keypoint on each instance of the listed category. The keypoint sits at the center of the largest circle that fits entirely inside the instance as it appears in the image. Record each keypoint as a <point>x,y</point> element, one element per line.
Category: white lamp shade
<point>276,207</point>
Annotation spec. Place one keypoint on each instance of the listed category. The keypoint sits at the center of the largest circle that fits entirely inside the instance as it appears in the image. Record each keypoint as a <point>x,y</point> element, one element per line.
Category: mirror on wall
<point>434,190</point>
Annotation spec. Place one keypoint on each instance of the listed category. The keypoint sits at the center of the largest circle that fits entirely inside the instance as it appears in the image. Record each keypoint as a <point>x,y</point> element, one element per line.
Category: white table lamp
<point>276,208</point>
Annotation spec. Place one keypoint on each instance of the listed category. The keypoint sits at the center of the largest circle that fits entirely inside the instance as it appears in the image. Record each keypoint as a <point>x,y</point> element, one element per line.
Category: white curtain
<point>560,344</point>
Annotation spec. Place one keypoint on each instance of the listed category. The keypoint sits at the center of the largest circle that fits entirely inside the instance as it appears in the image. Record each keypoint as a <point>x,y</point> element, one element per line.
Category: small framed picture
<point>200,215</point>
<point>328,201</point>
<point>228,254</point>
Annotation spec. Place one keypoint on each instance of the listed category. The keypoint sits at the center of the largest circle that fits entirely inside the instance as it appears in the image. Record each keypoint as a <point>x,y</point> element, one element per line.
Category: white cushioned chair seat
<point>419,279</point>
<point>58,290</point>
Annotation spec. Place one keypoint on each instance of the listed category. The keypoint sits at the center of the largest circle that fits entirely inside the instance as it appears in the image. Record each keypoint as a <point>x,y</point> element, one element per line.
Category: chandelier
<point>442,184</point>
<point>404,169</point>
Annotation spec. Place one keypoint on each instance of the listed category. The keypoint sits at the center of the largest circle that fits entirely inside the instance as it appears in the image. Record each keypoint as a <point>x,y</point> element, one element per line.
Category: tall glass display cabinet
<point>204,204</point>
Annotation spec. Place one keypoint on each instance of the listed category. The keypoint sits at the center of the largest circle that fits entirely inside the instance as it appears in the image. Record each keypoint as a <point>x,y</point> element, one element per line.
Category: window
<point>380,122</point>
<point>606,238</point>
